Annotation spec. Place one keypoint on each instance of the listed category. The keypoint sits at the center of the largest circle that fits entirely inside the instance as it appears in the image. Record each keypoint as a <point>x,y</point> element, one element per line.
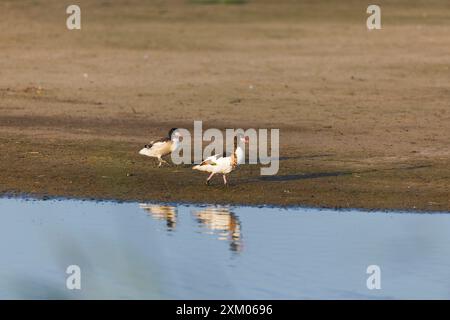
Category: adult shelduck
<point>162,147</point>
<point>222,164</point>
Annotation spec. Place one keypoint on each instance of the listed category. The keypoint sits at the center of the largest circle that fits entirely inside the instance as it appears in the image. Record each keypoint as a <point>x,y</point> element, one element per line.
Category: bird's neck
<point>239,153</point>
<point>175,143</point>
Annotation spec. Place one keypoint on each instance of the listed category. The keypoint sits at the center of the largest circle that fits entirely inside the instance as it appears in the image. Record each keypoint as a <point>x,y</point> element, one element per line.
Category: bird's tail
<point>199,167</point>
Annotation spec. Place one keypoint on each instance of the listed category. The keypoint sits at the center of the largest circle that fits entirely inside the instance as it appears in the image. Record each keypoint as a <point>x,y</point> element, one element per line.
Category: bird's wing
<point>159,142</point>
<point>206,162</point>
<point>210,160</point>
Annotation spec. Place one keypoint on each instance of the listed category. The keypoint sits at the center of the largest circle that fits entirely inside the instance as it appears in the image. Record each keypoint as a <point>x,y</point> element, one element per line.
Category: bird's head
<point>241,138</point>
<point>174,134</point>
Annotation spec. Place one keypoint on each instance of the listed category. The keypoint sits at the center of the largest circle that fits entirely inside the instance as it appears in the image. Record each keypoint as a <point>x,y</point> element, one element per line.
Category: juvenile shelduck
<point>222,164</point>
<point>162,147</point>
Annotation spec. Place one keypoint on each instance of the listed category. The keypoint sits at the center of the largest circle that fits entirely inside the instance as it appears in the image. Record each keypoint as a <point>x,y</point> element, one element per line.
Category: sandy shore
<point>363,116</point>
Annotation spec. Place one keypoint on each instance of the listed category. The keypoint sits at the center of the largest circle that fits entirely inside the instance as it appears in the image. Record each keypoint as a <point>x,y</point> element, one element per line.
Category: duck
<point>222,164</point>
<point>162,147</point>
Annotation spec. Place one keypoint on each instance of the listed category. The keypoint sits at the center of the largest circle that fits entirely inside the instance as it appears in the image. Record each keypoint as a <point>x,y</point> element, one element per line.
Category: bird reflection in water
<point>225,224</point>
<point>165,213</point>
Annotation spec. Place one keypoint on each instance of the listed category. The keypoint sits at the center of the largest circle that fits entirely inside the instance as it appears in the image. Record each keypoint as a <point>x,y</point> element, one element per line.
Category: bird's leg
<point>161,161</point>
<point>225,182</point>
<point>209,178</point>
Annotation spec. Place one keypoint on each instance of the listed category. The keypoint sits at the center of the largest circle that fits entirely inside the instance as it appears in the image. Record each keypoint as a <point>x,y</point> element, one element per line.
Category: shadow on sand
<point>290,177</point>
<point>315,175</point>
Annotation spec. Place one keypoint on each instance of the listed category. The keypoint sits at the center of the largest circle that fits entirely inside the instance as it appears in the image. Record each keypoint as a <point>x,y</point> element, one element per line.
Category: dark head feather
<point>172,131</point>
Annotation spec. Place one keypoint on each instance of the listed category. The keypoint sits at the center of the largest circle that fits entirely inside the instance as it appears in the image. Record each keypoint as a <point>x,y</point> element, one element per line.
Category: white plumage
<point>222,164</point>
<point>162,147</point>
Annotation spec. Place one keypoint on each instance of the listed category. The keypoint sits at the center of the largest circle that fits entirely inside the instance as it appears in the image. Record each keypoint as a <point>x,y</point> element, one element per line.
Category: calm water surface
<point>133,250</point>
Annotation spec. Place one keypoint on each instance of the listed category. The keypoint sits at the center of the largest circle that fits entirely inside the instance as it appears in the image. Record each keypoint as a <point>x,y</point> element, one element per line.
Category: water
<point>150,251</point>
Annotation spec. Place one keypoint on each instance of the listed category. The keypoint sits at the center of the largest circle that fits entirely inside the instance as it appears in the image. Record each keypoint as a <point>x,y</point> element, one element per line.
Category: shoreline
<point>42,197</point>
<point>93,169</point>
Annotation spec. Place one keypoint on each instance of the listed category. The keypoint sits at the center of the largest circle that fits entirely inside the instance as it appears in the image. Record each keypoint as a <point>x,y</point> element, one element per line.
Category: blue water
<point>131,250</point>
